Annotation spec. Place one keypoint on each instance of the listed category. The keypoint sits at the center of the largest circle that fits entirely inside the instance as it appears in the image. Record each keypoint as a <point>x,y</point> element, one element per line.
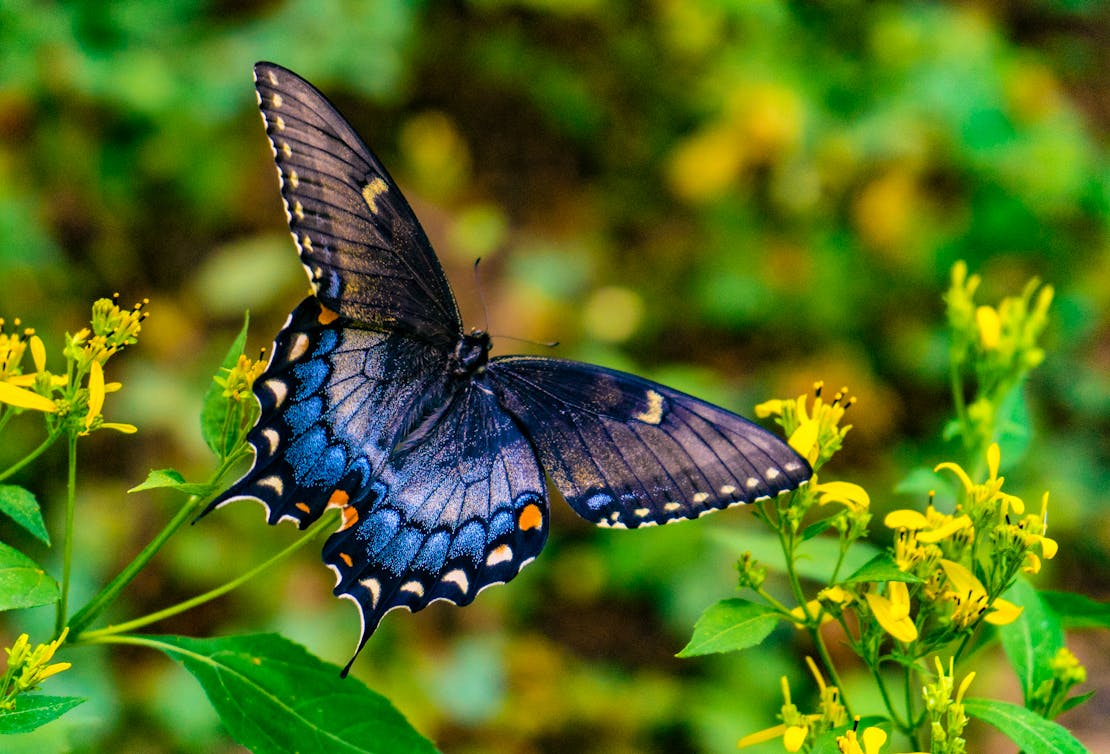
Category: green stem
<point>327,521</point>
<point>898,722</point>
<point>67,552</point>
<point>30,456</point>
<point>908,686</point>
<point>87,614</point>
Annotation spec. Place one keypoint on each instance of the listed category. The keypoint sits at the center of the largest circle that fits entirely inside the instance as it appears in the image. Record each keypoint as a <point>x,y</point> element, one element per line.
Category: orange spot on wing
<point>530,517</point>
<point>303,507</point>
<point>339,498</point>
<point>346,559</point>
<point>350,518</point>
<point>326,316</point>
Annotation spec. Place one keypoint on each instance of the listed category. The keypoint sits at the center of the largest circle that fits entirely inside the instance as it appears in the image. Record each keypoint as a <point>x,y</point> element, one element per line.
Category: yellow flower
<point>989,491</point>
<point>851,495</point>
<point>893,611</point>
<point>239,380</point>
<point>871,741</point>
<point>971,600</point>
<point>816,434</point>
<point>990,327</point>
<point>97,389</point>
<point>28,666</point>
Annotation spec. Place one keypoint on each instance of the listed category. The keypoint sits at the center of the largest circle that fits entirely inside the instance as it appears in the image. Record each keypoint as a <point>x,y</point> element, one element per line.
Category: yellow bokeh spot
<point>613,314</point>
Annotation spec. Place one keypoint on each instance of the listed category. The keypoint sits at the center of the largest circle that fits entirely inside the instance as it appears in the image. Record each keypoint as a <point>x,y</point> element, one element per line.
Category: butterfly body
<point>377,401</point>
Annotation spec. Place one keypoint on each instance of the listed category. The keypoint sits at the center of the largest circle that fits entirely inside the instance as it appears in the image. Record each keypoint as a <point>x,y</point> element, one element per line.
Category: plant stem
<point>958,403</point>
<point>105,596</point>
<point>30,456</point>
<point>327,521</point>
<point>67,552</point>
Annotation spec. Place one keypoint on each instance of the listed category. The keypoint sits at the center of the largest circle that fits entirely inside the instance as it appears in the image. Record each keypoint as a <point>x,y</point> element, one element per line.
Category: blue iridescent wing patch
<point>376,402</point>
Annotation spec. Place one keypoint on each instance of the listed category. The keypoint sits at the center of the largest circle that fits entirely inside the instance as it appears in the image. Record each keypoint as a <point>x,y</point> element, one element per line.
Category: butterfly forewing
<point>628,452</point>
<point>362,247</point>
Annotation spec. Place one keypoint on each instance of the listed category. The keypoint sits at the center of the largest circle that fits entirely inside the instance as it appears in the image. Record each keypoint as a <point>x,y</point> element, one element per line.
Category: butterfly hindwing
<point>629,452</point>
<point>466,508</point>
<point>361,245</point>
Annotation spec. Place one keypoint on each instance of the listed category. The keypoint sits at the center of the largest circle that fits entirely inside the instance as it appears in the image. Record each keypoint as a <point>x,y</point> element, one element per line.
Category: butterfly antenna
<point>481,295</point>
<point>485,313</point>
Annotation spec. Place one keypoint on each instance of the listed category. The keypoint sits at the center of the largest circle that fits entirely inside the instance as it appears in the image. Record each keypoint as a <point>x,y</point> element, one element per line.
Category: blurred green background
<point>737,198</point>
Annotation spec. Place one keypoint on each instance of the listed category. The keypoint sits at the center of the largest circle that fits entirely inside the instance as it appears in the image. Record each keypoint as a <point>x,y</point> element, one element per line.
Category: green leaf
<point>1077,611</point>
<point>816,529</point>
<point>172,479</point>
<point>1033,639</point>
<point>881,568</point>
<point>22,582</point>
<point>730,625</point>
<point>214,413</point>
<point>1074,701</point>
<point>1031,732</point>
<point>33,711</point>
<point>21,506</point>
<point>273,696</point>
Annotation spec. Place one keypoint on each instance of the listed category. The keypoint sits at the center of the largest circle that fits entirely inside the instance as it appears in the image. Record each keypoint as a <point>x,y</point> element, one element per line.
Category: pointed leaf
<point>730,625</point>
<point>881,568</point>
<point>214,413</point>
<point>1077,610</point>
<point>172,479</point>
<point>21,506</point>
<point>1033,639</point>
<point>1031,732</point>
<point>22,582</point>
<point>33,711</point>
<point>273,696</point>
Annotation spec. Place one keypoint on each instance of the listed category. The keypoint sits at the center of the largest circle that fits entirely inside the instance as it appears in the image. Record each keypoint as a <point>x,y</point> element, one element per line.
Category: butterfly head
<point>471,354</point>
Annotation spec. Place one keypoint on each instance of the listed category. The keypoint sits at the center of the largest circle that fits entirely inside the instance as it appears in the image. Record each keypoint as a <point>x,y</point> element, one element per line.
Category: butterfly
<point>376,401</point>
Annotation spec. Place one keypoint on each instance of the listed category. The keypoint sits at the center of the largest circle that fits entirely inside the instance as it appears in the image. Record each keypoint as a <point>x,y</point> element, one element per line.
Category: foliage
<point>734,198</point>
<point>933,596</point>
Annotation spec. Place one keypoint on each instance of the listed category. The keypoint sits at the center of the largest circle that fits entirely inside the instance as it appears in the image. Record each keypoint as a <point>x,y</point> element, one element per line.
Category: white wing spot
<point>273,482</point>
<point>499,554</point>
<point>642,512</point>
<point>286,151</point>
<point>728,489</point>
<point>279,390</point>
<point>413,587</point>
<point>458,578</point>
<point>792,466</point>
<point>751,483</point>
<point>700,497</point>
<point>772,473</point>
<point>615,516</point>
<point>279,123</point>
<point>298,210</point>
<point>273,78</point>
<point>294,179</point>
<point>671,507</point>
<point>653,414</point>
<point>272,439</point>
<point>276,100</point>
<point>375,588</point>
<point>300,345</point>
<point>306,243</point>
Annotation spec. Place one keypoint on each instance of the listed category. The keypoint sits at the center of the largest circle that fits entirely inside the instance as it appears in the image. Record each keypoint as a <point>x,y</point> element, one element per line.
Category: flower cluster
<point>74,399</point>
<point>28,667</point>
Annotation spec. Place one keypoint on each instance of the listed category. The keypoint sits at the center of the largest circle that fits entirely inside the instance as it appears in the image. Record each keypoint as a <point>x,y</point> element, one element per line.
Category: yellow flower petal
<point>963,581</point>
<point>96,393</point>
<point>804,440</point>
<point>794,737</point>
<point>127,429</point>
<point>906,519</point>
<point>873,740</point>
<point>769,408</point>
<point>17,396</point>
<point>959,472</point>
<point>990,327</point>
<point>1049,547</point>
<point>950,527</point>
<point>851,495</point>
<point>994,459</point>
<point>1002,612</point>
<point>770,734</point>
<point>38,353</point>
<point>894,618</point>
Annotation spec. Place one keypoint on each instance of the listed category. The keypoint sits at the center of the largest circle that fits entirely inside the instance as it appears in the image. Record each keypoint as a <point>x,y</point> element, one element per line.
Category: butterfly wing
<point>364,250</point>
<point>464,508</point>
<point>629,452</point>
